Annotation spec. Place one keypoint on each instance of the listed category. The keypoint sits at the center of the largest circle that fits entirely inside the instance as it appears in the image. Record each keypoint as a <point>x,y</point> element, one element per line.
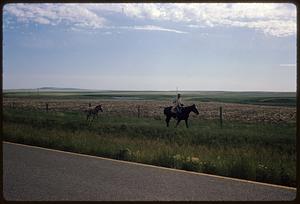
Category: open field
<point>256,142</point>
<point>258,98</point>
<point>237,106</point>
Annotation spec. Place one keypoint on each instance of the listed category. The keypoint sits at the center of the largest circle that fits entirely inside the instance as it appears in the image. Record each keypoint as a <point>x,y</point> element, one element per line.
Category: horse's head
<point>194,109</point>
<point>99,108</point>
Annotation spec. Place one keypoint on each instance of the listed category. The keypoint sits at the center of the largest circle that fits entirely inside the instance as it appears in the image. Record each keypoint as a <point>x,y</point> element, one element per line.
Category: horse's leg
<point>178,121</point>
<point>168,120</point>
<point>88,119</point>
<point>186,123</point>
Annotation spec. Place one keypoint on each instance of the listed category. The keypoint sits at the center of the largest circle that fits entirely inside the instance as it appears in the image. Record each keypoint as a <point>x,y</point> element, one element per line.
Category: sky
<point>150,46</point>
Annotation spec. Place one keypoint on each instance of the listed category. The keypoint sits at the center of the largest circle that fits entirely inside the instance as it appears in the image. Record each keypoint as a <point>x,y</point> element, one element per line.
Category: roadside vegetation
<point>263,152</point>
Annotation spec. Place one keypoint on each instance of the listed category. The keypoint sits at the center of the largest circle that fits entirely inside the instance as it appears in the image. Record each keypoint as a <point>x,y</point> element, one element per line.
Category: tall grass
<point>261,152</point>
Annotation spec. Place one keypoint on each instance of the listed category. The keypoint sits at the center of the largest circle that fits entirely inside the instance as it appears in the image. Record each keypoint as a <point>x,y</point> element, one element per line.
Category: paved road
<point>35,174</point>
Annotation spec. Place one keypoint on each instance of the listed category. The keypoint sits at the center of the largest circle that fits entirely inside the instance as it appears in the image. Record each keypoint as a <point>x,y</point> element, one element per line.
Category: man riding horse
<point>179,112</point>
<point>177,105</point>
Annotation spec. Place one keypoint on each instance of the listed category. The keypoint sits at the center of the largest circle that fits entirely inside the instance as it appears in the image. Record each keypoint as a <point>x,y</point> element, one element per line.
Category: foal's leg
<point>94,114</point>
<point>178,121</point>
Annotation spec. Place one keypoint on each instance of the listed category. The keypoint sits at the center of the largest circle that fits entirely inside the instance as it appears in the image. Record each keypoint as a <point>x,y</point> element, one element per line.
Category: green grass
<point>262,152</point>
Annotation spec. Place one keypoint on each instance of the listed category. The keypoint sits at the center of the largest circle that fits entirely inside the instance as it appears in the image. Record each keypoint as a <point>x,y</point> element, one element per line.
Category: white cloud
<point>195,26</point>
<point>154,28</point>
<point>53,14</point>
<point>42,20</point>
<point>273,19</point>
<point>287,65</point>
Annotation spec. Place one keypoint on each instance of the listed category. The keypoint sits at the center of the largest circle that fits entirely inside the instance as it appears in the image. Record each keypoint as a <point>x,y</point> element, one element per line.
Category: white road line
<point>158,167</point>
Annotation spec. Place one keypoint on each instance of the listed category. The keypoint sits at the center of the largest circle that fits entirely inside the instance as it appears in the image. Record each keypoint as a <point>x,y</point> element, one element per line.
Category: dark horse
<point>93,112</point>
<point>183,115</point>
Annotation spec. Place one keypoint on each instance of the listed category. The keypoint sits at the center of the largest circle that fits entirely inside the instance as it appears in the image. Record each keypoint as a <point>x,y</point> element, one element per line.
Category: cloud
<point>273,19</point>
<point>154,28</point>
<point>270,18</point>
<point>287,65</point>
<point>195,26</point>
<point>54,14</point>
<point>42,20</point>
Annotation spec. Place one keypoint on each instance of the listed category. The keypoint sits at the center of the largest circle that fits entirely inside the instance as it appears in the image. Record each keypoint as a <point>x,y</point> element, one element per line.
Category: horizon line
<point>135,90</point>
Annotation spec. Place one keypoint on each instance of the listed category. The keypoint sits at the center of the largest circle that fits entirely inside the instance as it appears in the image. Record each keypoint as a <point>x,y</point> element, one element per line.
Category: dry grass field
<point>153,108</point>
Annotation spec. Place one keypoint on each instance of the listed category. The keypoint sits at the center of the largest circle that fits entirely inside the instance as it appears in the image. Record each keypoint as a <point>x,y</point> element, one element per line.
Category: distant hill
<point>48,89</point>
<point>57,88</point>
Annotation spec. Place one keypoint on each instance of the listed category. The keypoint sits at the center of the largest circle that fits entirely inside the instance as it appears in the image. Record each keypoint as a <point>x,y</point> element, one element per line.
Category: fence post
<point>138,111</point>
<point>47,107</point>
<point>221,117</point>
<point>90,104</point>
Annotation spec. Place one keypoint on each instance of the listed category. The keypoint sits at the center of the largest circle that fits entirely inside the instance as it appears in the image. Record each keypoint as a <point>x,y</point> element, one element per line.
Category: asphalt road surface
<point>37,174</point>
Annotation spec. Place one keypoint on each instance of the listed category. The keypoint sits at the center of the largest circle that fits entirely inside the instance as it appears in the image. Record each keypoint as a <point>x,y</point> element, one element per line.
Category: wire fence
<point>153,109</point>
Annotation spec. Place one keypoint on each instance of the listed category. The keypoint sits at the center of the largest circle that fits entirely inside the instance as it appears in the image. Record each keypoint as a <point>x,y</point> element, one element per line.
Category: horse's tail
<point>167,110</point>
